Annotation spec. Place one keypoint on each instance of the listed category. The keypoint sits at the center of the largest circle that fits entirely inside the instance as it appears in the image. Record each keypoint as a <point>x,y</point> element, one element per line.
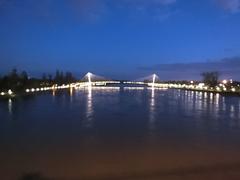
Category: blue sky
<point>121,38</point>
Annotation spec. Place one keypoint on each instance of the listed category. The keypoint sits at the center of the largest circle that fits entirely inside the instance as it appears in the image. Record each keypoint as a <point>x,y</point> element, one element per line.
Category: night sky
<point>126,39</point>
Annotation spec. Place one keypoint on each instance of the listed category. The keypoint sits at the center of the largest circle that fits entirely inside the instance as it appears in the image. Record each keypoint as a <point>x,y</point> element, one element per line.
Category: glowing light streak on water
<point>10,106</point>
<point>154,79</point>
<point>89,78</point>
<point>89,112</point>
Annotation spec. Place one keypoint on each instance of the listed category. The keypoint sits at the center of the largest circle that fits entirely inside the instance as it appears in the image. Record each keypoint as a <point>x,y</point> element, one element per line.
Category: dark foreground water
<point>121,133</point>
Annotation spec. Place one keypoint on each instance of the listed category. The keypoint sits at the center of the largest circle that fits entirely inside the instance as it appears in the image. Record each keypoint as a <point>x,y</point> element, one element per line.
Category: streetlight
<point>224,81</point>
<point>10,92</point>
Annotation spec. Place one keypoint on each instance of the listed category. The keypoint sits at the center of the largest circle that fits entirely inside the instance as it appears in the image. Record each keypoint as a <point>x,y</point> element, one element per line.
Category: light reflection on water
<point>137,108</point>
<point>110,120</point>
<point>152,110</point>
<point>53,92</point>
<point>89,111</point>
<point>10,106</point>
<point>71,94</point>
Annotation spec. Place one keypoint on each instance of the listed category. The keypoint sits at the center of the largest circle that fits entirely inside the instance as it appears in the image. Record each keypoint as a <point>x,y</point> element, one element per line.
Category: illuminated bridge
<point>91,79</point>
<point>100,82</point>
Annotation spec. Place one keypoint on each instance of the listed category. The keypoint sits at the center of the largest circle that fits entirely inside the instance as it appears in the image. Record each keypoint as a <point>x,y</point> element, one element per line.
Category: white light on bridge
<point>89,78</point>
<point>10,92</point>
<point>154,79</point>
<point>224,81</point>
<point>201,85</point>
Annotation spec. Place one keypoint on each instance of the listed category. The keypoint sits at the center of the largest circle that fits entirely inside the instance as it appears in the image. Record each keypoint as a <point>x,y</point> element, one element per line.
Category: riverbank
<point>223,93</point>
<point>222,89</point>
<point>33,91</point>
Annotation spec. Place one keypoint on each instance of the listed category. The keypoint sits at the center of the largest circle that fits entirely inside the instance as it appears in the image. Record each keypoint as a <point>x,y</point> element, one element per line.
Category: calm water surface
<point>118,132</point>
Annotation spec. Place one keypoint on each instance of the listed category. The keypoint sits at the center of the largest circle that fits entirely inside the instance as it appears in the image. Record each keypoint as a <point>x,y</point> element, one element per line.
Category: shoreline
<point>223,93</point>
<point>24,94</point>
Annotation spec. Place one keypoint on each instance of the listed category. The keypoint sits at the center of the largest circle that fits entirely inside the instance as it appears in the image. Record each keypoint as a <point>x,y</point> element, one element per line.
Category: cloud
<point>100,7</point>
<point>89,9</point>
<point>166,2</point>
<point>152,2</point>
<point>2,2</point>
<point>84,8</point>
<point>230,5</point>
<point>228,68</point>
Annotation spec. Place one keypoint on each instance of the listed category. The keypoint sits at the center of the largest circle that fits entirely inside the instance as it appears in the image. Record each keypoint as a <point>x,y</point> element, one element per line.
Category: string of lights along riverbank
<point>153,81</point>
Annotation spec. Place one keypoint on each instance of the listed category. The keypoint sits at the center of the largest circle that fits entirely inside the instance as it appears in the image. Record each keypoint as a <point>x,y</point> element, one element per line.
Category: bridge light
<point>10,92</point>
<point>154,79</point>
<point>224,81</point>
<point>89,78</point>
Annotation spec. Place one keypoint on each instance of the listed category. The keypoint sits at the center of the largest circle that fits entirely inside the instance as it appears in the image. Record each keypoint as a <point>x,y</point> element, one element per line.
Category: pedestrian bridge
<point>91,79</point>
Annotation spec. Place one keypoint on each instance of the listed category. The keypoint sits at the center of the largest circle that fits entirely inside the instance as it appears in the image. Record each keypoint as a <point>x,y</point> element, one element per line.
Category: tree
<point>13,76</point>
<point>57,77</point>
<point>24,76</point>
<point>61,77</point>
<point>210,78</point>
<point>69,77</point>
<point>44,77</point>
<point>50,78</point>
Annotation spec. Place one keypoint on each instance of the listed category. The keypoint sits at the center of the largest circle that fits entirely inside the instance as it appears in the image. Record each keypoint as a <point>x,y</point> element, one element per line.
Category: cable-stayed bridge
<point>152,81</point>
<point>91,79</point>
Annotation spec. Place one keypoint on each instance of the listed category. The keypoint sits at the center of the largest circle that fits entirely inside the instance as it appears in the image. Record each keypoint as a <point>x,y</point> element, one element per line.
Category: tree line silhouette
<point>19,81</point>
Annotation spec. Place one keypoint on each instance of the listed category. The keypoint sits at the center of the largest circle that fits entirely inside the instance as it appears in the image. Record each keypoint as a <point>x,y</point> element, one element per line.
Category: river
<point>120,132</point>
